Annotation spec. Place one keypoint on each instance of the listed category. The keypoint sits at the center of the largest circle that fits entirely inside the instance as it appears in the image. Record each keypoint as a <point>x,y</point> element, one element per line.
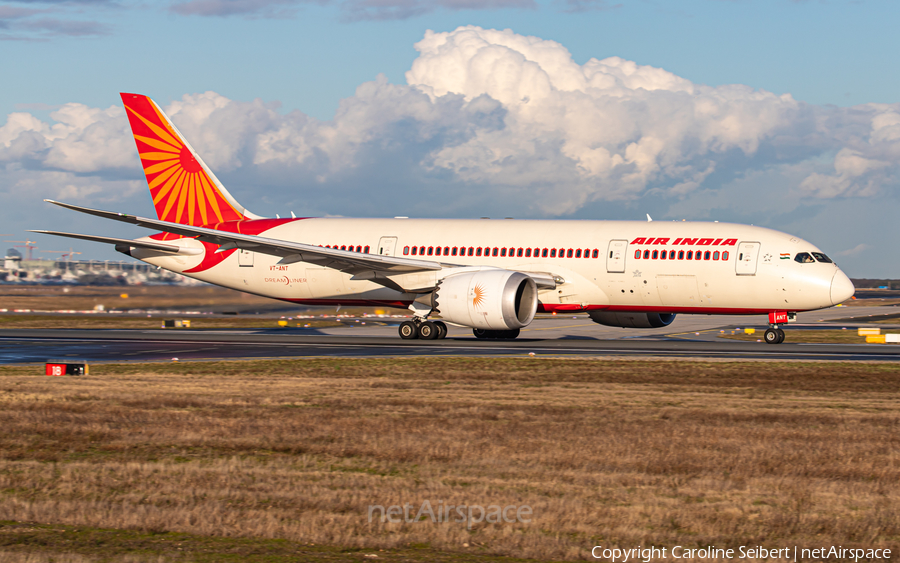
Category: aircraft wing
<point>290,252</point>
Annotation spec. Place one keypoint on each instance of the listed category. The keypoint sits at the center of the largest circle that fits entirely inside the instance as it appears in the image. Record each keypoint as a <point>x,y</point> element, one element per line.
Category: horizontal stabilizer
<point>127,242</point>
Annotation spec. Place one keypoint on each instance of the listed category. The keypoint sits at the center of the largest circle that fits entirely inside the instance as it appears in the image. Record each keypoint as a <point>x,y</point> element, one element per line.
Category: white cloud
<point>492,122</point>
<point>868,163</point>
<point>858,249</point>
<point>82,139</point>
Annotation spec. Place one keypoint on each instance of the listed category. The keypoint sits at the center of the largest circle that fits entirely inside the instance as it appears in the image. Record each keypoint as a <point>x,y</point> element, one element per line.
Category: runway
<point>692,337</point>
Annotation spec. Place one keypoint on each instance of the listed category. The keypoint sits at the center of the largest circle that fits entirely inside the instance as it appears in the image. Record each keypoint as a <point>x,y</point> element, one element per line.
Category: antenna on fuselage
<point>649,218</point>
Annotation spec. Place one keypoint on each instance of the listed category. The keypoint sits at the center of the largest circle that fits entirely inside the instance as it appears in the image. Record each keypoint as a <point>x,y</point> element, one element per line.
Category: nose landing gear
<point>774,336</point>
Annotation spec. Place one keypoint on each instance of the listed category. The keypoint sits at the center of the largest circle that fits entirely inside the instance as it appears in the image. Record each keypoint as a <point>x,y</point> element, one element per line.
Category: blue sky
<point>822,166</point>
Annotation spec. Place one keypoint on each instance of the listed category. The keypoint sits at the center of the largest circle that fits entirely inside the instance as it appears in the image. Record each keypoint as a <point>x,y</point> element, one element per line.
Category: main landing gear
<point>424,330</point>
<point>774,335</point>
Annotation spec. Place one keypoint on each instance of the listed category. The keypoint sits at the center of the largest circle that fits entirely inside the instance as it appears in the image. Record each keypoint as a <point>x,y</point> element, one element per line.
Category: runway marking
<point>692,333</point>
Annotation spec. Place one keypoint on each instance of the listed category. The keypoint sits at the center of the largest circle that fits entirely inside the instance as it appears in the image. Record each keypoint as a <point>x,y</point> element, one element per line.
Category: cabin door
<point>615,256</point>
<point>386,246</point>
<point>245,258</point>
<point>747,254</point>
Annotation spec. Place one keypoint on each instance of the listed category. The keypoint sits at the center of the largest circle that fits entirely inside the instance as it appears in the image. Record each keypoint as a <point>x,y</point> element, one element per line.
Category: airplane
<point>492,276</point>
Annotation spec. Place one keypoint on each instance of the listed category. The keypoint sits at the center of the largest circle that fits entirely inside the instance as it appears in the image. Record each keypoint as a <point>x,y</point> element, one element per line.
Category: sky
<point>780,113</point>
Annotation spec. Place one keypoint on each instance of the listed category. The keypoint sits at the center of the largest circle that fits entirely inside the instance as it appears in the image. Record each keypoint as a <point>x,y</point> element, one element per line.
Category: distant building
<point>13,260</point>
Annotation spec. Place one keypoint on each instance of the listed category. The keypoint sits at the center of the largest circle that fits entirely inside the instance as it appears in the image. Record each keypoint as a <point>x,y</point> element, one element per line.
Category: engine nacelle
<point>632,320</point>
<point>487,299</point>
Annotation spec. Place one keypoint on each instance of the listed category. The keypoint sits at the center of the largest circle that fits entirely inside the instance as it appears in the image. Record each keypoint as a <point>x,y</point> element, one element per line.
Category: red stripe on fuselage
<point>573,307</point>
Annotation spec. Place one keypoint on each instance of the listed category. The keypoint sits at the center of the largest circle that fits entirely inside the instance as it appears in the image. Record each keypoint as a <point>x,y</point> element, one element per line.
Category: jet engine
<point>632,320</point>
<point>487,299</point>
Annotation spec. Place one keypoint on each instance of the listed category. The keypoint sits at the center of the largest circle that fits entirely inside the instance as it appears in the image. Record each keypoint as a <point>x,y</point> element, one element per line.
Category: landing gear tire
<point>409,330</point>
<point>428,331</point>
<point>442,330</point>
<point>480,333</point>
<point>774,336</point>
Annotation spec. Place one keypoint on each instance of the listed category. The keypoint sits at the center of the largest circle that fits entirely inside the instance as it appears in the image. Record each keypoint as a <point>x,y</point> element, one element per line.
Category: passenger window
<point>494,252</point>
<point>646,254</point>
<point>724,255</point>
<point>478,251</point>
<point>366,250</point>
<point>453,251</point>
<point>578,253</point>
<point>594,253</point>
<point>822,258</point>
<point>430,250</point>
<point>569,253</point>
<point>544,253</point>
<point>446,251</point>
<point>344,247</point>
<point>681,254</point>
<point>716,255</point>
<point>552,253</point>
<point>671,255</point>
<point>655,254</point>
<point>637,254</point>
<point>519,252</point>
<point>415,250</point>
<point>706,255</point>
<point>698,255</point>
<point>527,253</point>
<point>804,258</point>
<point>662,255</point>
<point>502,252</point>
<point>405,250</point>
<point>690,254</point>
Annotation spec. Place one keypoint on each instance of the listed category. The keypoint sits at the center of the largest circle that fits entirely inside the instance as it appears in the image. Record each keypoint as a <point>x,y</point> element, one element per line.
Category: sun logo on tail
<point>479,292</point>
<point>182,190</point>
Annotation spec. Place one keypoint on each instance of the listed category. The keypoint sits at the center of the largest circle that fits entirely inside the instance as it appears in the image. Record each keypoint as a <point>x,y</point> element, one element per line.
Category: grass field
<point>281,460</point>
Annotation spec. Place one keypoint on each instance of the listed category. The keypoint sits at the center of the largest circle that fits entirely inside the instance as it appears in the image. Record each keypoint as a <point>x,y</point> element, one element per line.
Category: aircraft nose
<point>841,288</point>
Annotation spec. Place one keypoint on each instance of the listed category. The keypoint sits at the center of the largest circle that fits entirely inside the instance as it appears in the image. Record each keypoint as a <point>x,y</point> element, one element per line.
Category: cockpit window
<point>821,258</point>
<point>804,258</point>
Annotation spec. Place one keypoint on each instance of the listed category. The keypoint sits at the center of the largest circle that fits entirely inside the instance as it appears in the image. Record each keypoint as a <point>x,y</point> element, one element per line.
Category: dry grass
<point>608,452</point>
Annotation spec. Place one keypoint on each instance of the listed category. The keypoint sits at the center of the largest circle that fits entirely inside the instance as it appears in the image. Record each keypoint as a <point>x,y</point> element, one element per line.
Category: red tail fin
<point>184,190</point>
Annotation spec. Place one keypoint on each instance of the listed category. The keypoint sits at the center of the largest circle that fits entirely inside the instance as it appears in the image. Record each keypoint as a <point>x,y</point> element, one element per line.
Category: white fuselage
<point>757,275</point>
